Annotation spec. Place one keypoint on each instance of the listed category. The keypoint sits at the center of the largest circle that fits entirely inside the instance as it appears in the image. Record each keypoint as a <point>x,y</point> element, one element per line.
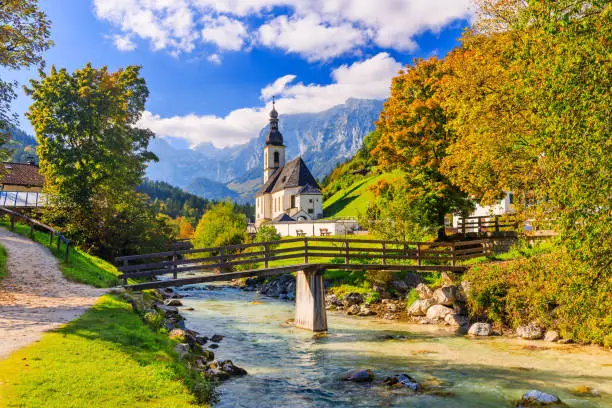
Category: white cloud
<point>226,33</point>
<point>214,58</point>
<point>310,37</point>
<point>368,79</point>
<point>315,29</point>
<point>124,42</point>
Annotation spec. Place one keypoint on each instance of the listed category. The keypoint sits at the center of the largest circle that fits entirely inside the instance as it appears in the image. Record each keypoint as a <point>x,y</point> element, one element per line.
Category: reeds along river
<point>289,367</point>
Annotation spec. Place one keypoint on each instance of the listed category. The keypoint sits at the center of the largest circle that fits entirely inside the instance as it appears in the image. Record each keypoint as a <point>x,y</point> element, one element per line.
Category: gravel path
<point>35,297</point>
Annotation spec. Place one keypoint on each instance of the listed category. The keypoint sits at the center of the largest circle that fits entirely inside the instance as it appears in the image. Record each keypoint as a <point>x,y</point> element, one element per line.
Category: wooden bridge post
<point>384,253</point>
<point>305,250</point>
<point>310,301</point>
<point>418,254</point>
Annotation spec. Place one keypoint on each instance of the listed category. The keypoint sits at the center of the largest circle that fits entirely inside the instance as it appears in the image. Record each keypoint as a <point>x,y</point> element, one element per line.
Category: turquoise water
<point>289,367</point>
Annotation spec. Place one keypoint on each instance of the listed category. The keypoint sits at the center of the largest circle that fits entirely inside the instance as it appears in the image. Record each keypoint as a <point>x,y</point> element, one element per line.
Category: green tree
<point>93,155</point>
<point>221,225</point>
<point>24,36</point>
<point>415,138</point>
<point>267,233</point>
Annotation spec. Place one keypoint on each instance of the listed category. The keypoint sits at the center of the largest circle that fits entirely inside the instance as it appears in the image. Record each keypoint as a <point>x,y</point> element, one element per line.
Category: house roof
<point>21,174</point>
<point>294,174</point>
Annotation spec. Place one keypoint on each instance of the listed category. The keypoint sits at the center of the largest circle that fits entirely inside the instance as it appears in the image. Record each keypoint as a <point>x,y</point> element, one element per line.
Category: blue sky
<point>212,66</point>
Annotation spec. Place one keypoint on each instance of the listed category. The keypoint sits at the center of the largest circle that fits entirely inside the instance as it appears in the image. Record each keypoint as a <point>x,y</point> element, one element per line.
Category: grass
<point>107,357</point>
<point>520,249</point>
<point>3,255</point>
<point>81,267</point>
<point>354,200</point>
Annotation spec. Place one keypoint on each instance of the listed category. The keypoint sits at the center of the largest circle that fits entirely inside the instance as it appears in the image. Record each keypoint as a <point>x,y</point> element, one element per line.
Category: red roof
<point>21,174</point>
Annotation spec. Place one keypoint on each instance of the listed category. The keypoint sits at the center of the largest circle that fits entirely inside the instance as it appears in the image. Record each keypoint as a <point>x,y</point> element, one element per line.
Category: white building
<point>290,192</point>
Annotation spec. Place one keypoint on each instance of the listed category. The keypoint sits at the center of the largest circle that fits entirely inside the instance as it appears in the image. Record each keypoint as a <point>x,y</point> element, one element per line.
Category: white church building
<point>290,192</point>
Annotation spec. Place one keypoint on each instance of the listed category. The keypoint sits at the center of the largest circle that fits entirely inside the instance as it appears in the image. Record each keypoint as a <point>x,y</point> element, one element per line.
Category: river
<point>289,367</point>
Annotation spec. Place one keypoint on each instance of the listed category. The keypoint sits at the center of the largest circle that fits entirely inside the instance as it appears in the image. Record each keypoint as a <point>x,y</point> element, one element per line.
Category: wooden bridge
<point>309,257</point>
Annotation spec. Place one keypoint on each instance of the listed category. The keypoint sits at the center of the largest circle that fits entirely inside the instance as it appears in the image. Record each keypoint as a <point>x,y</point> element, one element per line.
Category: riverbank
<point>107,357</point>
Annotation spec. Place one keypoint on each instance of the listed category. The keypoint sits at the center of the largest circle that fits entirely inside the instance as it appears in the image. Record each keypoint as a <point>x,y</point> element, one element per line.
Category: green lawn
<point>3,255</point>
<point>81,267</point>
<point>354,200</point>
<point>106,358</point>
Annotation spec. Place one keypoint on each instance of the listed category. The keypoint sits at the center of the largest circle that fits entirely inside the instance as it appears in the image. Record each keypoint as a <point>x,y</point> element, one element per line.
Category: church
<point>290,192</point>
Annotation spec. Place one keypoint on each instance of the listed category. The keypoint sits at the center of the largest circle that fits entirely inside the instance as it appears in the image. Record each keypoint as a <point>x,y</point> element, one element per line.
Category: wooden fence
<point>307,250</point>
<point>33,223</point>
<point>493,223</point>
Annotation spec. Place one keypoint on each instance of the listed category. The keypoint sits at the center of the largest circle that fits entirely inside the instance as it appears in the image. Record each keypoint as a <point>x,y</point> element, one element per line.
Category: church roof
<point>308,189</point>
<point>283,217</point>
<point>294,174</point>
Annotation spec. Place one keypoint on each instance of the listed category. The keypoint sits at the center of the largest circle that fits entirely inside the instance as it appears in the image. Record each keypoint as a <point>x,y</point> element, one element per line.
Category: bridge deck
<point>228,276</point>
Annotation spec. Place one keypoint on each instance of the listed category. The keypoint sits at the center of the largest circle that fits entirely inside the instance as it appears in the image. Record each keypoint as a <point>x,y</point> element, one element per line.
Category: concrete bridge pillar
<point>310,301</point>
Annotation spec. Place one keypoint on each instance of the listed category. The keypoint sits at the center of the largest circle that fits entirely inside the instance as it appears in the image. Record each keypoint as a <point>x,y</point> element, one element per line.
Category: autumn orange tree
<point>414,137</point>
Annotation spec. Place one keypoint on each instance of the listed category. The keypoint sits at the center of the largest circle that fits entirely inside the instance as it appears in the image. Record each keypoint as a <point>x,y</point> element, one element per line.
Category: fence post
<point>384,253</point>
<point>347,258</point>
<point>497,223</point>
<point>67,252</point>
<point>31,230</point>
<point>59,242</point>
<point>418,254</point>
<point>463,226</point>
<point>453,254</point>
<point>51,239</point>
<point>479,225</point>
<point>12,218</point>
<point>305,250</point>
<point>266,254</point>
<point>221,260</point>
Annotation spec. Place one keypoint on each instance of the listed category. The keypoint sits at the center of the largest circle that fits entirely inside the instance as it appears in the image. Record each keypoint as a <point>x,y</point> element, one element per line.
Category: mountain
<point>21,145</point>
<point>322,139</point>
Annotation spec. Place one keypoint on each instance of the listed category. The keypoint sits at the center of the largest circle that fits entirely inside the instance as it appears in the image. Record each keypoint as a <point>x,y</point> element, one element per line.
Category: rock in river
<point>359,376</point>
<point>534,398</point>
<point>552,335</point>
<point>445,295</point>
<point>419,307</point>
<point>352,299</point>
<point>173,302</point>
<point>403,380</point>
<point>424,291</point>
<point>480,329</point>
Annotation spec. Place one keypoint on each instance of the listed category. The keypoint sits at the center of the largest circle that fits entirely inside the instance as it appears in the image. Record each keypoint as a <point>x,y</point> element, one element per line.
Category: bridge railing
<point>307,250</point>
<point>44,227</point>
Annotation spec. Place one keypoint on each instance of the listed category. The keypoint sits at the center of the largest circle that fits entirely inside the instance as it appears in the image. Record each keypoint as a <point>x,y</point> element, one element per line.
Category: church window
<point>292,201</point>
<point>276,159</point>
<point>310,201</point>
<point>310,211</point>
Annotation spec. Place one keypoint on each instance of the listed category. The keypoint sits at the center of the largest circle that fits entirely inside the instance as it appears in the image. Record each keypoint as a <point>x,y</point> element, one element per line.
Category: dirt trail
<point>35,297</point>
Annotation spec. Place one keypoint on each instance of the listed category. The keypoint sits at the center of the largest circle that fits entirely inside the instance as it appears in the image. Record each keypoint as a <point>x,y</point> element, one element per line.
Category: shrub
<point>555,290</point>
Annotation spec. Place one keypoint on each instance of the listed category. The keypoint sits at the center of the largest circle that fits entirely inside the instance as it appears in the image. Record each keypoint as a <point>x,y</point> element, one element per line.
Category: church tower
<point>274,152</point>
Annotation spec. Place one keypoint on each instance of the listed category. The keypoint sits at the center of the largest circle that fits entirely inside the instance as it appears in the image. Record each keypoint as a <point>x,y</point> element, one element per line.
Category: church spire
<point>274,137</point>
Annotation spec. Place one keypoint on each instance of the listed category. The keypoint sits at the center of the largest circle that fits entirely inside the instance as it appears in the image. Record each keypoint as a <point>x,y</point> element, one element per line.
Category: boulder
<point>352,299</point>
<point>173,302</point>
<point>456,320</point>
<point>201,340</point>
<point>217,374</point>
<point>466,287</point>
<point>459,307</point>
<point>365,310</point>
<point>282,285</point>
<point>445,295</point>
<point>182,349</point>
<point>392,307</point>
<point>213,346</point>
<point>332,300</point>
<point>216,338</point>
<point>353,310</point>
<point>552,335</point>
<point>539,398</point>
<point>419,307</point>
<point>413,279</point>
<point>400,286</point>
<point>227,366</point>
<point>531,331</point>
<point>446,279</point>
<point>167,310</point>
<point>424,291</point>
<point>480,329</point>
<point>438,312</point>
<point>359,375</point>
<point>403,380</point>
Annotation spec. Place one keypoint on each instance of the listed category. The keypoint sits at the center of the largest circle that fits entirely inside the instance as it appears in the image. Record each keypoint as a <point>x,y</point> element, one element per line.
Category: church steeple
<point>274,151</point>
<point>274,137</point>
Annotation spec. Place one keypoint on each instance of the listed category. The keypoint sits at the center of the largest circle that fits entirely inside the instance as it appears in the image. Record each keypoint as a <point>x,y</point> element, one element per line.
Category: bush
<point>555,290</point>
<point>221,225</point>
